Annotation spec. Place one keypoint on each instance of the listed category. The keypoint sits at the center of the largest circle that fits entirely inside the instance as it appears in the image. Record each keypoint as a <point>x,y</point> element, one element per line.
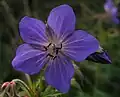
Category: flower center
<point>53,50</point>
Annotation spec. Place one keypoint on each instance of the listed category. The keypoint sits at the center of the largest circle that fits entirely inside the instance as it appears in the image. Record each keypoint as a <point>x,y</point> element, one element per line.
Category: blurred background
<point>97,80</point>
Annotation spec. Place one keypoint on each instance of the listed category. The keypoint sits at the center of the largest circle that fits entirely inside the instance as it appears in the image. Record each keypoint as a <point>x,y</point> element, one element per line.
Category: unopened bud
<point>9,88</point>
<point>4,85</point>
<point>100,57</point>
<point>12,83</point>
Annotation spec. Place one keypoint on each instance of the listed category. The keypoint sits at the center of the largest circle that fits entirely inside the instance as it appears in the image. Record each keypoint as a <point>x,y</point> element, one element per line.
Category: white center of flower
<point>53,50</point>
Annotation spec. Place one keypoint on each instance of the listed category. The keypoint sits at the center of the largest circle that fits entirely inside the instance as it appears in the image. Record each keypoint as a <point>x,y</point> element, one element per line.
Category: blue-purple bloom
<point>54,44</point>
<point>112,10</point>
<point>100,57</point>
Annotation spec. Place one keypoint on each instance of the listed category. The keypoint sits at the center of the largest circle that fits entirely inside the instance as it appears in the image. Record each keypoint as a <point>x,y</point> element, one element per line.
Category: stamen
<point>49,44</point>
<point>57,51</point>
<point>45,48</point>
<point>50,55</point>
<point>52,50</point>
<point>54,57</point>
<point>59,47</point>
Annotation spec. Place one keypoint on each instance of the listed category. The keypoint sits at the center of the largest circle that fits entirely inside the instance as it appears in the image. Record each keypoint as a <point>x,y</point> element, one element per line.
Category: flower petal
<point>114,15</point>
<point>32,31</point>
<point>112,10</point>
<point>62,20</point>
<point>109,5</point>
<point>115,20</point>
<point>59,73</point>
<point>80,45</point>
<point>29,60</point>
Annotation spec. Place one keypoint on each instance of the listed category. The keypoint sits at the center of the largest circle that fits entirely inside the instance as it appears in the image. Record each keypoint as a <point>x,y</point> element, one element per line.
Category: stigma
<point>53,50</point>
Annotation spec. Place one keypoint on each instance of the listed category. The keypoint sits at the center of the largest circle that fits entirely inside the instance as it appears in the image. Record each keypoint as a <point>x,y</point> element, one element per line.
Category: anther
<point>59,47</point>
<point>45,48</point>
<point>50,55</point>
<point>49,44</point>
<point>54,57</point>
<point>57,51</point>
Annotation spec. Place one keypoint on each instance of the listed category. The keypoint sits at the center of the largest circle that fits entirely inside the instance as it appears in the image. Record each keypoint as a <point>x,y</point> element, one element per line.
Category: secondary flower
<point>100,56</point>
<point>112,11</point>
<point>8,88</point>
<point>55,44</point>
<point>8,84</point>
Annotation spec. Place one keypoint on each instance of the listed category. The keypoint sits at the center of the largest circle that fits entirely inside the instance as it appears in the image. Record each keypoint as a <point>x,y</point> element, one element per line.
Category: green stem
<point>29,80</point>
<point>26,7</point>
<point>24,86</point>
<point>35,8</point>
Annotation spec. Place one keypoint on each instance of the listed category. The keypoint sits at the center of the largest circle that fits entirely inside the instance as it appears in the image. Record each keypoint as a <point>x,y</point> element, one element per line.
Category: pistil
<point>53,50</point>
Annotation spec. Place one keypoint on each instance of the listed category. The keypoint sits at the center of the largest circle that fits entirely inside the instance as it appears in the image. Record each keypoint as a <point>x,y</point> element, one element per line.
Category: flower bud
<point>4,85</point>
<point>100,57</point>
<point>9,88</point>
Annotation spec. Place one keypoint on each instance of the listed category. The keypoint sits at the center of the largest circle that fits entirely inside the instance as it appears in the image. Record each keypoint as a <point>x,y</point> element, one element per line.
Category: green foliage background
<point>97,80</point>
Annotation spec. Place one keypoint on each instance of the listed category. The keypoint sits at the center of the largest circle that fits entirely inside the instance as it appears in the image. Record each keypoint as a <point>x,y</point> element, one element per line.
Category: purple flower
<point>100,57</point>
<point>112,11</point>
<point>55,44</point>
